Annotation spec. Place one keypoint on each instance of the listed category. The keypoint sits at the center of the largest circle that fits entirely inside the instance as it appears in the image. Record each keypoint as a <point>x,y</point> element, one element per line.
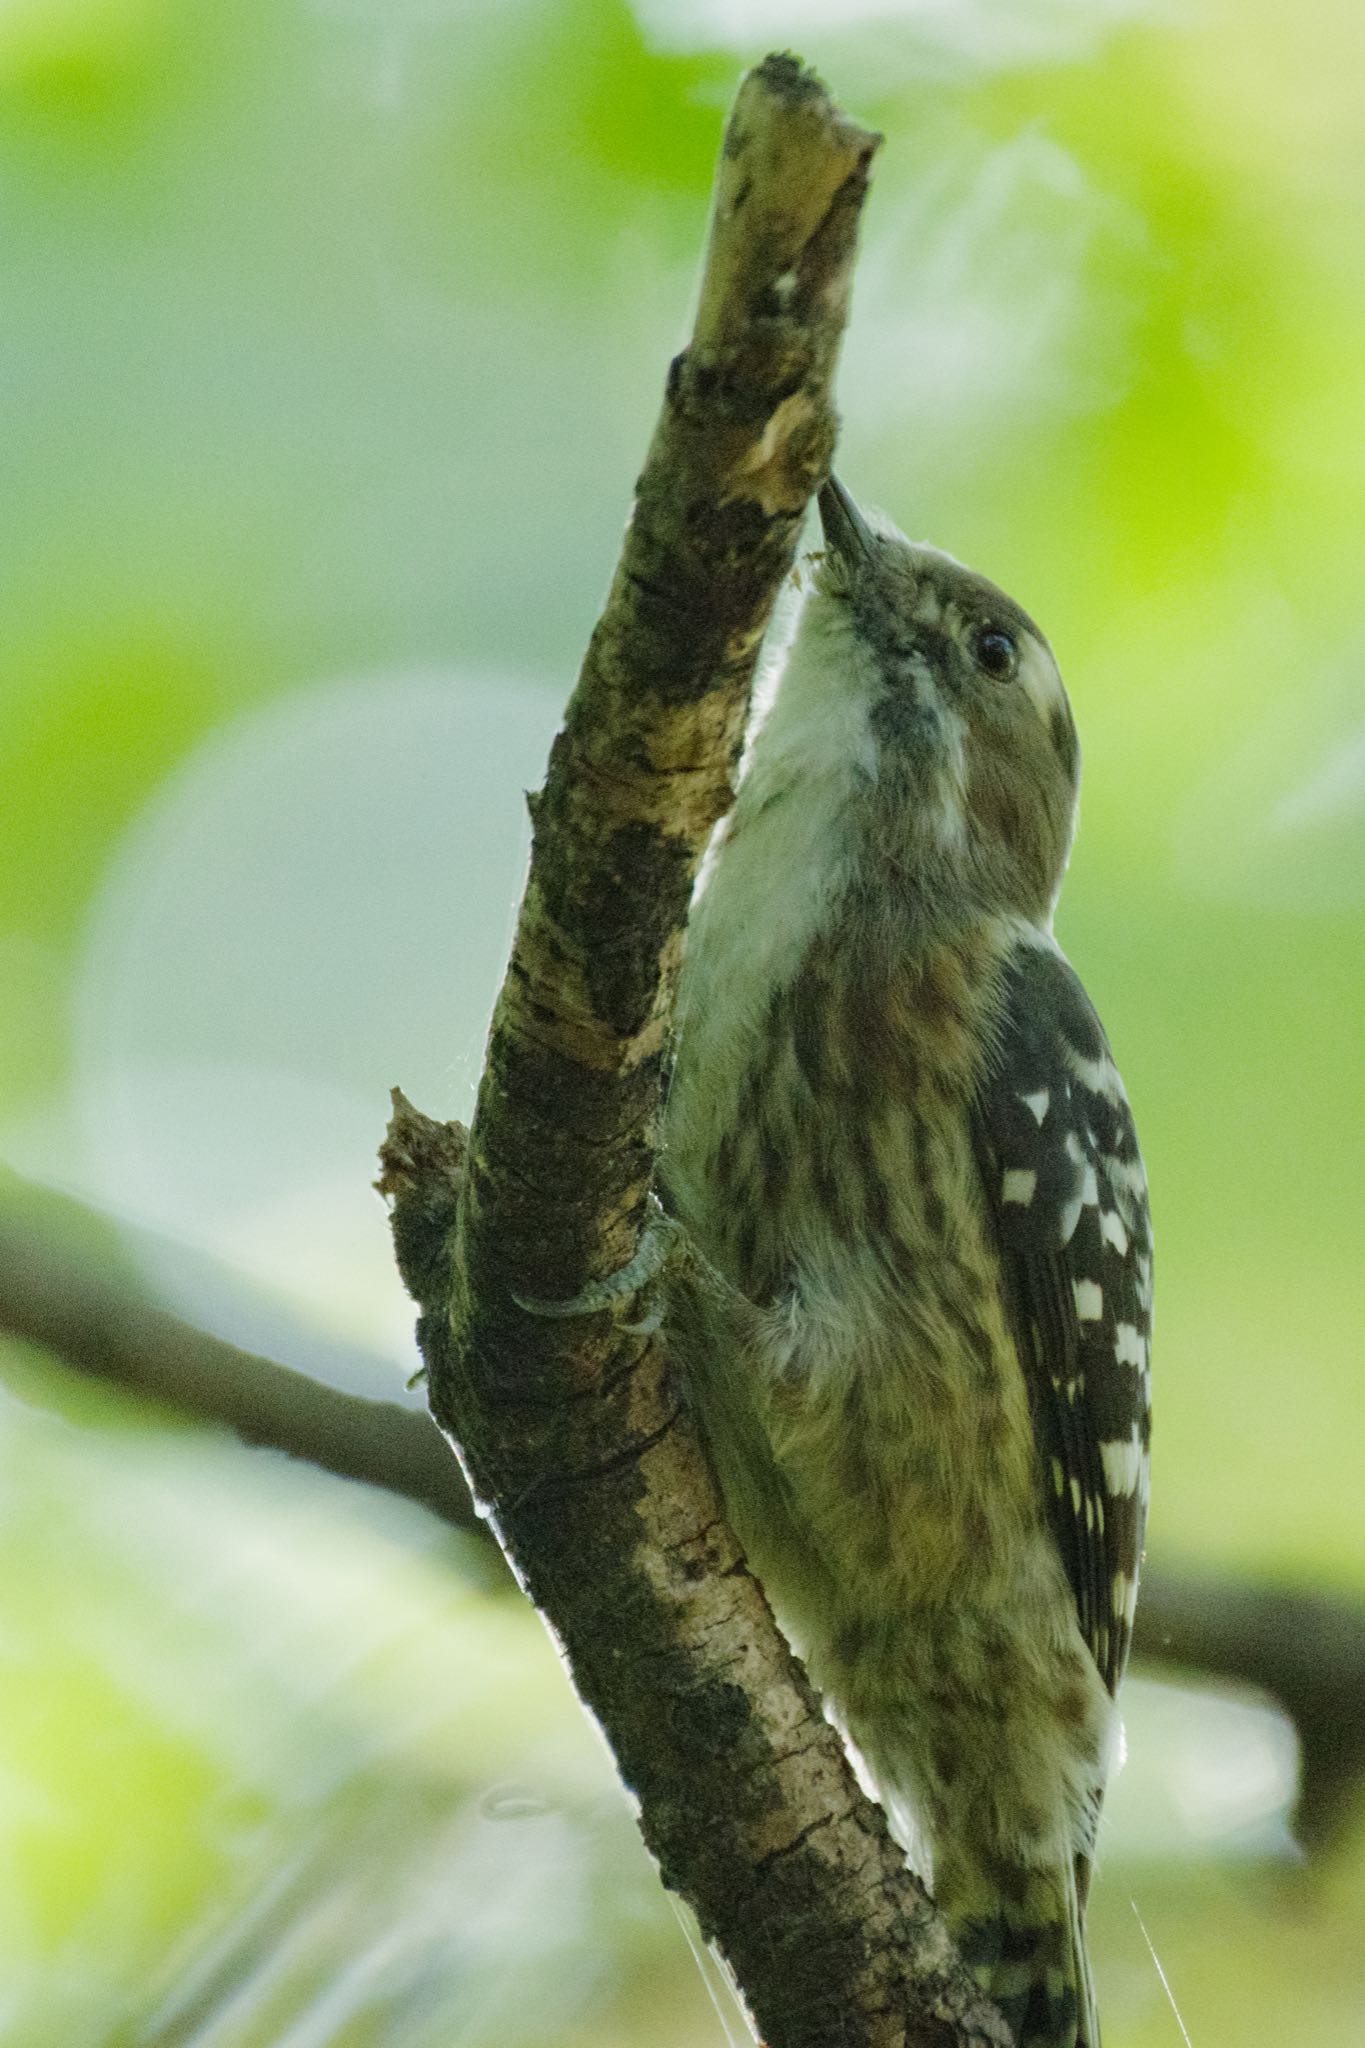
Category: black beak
<point>847,533</point>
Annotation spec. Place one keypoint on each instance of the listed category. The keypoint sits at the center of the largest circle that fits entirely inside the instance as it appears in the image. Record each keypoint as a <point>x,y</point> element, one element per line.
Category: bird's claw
<point>659,1243</point>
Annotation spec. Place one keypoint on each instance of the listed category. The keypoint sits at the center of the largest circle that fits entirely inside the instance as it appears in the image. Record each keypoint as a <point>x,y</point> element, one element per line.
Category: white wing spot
<point>1122,1461</point>
<point>1113,1232</point>
<point>1058,1476</point>
<point>1123,1596</point>
<point>1144,1281</point>
<point>1127,1175</point>
<point>1019,1185</point>
<point>1100,1076</point>
<point>1089,1299</point>
<point>1129,1348</point>
<point>1076,1497</point>
<point>1038,1103</point>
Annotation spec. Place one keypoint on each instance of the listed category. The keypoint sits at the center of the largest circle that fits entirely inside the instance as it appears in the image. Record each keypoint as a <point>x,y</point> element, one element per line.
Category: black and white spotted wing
<point>1065,1182</point>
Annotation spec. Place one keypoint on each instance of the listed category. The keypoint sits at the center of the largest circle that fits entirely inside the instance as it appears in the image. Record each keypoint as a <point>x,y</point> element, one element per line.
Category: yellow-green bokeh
<point>331,333</point>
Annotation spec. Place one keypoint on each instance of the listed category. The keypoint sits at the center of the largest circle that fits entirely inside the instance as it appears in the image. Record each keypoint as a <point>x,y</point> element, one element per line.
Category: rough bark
<point>1302,1647</point>
<point>575,1433</point>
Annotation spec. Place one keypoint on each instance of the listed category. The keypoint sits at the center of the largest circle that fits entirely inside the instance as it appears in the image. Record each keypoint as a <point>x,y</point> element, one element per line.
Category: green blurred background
<point>332,333</point>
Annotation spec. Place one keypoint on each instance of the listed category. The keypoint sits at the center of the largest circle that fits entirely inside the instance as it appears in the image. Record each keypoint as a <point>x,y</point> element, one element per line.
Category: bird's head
<point>964,728</point>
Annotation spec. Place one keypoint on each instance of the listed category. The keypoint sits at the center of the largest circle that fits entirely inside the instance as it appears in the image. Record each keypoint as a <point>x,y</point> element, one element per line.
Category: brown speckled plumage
<point>877,1391</point>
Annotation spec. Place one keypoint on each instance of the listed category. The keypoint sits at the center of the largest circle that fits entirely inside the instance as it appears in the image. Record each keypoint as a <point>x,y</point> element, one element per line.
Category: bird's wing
<point>1065,1184</point>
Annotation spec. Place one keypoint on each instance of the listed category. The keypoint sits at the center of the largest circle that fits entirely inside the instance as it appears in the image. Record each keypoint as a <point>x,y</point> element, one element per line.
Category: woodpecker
<point>898,1142</point>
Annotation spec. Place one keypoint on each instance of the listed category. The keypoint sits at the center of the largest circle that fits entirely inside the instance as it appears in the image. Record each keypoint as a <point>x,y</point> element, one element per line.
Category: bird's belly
<point>901,1430</point>
<point>824,1162</point>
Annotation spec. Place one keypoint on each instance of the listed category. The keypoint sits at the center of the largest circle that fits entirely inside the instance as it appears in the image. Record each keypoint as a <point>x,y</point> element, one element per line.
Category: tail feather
<point>1025,1945</point>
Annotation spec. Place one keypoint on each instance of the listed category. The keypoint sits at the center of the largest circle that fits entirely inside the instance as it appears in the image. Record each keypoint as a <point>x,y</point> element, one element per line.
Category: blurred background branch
<point>1303,1649</point>
<point>72,1306</point>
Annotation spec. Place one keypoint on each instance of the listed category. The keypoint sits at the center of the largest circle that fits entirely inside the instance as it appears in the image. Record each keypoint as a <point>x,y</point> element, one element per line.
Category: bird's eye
<point>997,652</point>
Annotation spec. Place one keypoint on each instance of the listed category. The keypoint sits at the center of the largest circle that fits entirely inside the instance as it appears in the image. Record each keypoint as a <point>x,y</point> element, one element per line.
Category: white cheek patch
<point>1039,675</point>
<point>946,813</point>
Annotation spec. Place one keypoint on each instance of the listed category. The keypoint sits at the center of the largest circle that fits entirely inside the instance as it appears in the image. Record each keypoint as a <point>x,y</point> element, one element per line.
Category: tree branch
<point>576,1433</point>
<point>76,1309</point>
<point>1304,1649</point>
